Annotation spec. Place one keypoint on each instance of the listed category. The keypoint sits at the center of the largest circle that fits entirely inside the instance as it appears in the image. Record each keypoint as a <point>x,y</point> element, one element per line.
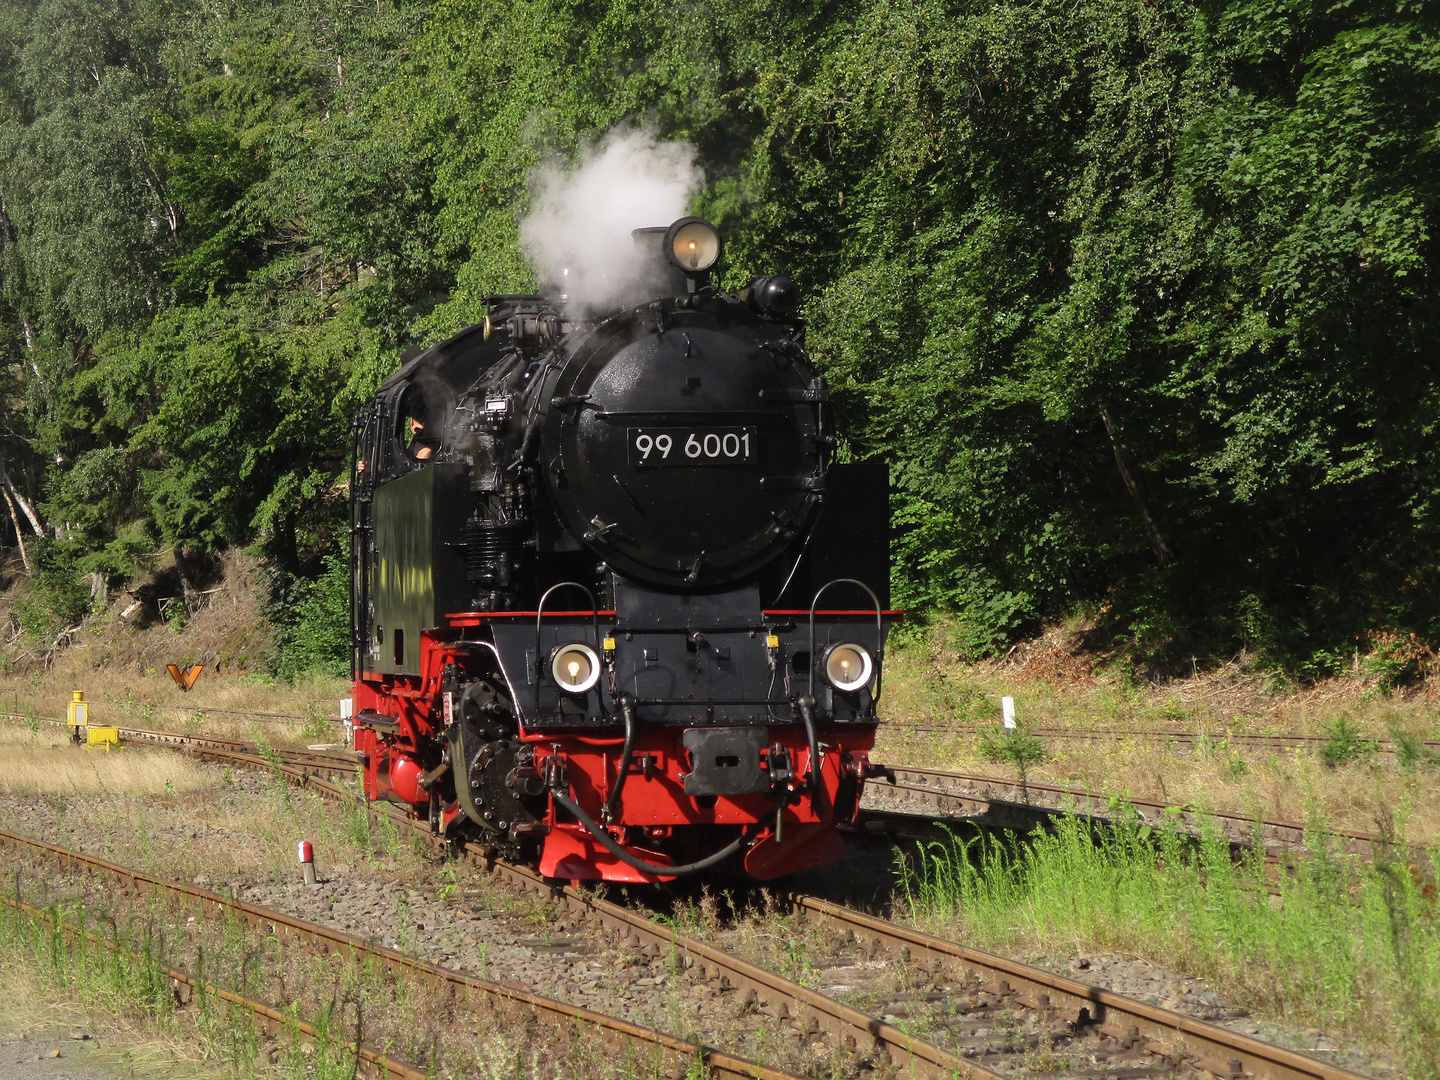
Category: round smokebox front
<point>682,455</point>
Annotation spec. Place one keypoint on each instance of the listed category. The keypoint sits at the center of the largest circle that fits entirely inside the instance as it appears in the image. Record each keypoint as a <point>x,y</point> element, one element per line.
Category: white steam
<point>578,233</point>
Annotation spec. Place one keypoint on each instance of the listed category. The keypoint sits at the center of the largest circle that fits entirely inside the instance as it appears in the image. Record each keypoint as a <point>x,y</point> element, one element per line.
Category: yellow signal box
<point>102,736</point>
<point>77,714</point>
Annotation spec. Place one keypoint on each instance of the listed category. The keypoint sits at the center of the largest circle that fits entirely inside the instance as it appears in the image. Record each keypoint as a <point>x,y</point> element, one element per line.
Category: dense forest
<point>1138,299</point>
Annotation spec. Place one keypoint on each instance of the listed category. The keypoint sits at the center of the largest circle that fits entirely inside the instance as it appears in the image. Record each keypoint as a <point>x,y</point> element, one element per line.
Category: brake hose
<point>609,844</point>
<point>627,713</point>
<point>806,705</point>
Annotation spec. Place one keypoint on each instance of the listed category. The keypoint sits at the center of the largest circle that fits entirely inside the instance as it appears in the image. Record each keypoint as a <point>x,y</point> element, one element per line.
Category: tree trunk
<point>19,535</point>
<point>1163,555</point>
<point>13,492</point>
<point>26,506</point>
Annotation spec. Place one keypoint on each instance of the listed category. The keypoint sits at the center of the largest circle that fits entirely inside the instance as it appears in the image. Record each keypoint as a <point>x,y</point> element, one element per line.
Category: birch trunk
<point>19,534</point>
<point>1163,555</point>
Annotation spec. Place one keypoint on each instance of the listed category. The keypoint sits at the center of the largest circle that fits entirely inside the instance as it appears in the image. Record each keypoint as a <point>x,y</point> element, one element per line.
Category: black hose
<point>806,705</point>
<point>627,713</point>
<point>609,844</point>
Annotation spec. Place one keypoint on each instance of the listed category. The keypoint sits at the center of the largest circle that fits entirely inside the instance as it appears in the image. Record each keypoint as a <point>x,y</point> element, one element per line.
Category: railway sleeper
<point>886,1060</point>
<point>1221,1068</point>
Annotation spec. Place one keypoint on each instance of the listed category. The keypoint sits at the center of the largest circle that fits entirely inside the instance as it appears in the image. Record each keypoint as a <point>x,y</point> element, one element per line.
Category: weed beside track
<point>351,998</point>
<point>239,839</point>
<point>1348,945</point>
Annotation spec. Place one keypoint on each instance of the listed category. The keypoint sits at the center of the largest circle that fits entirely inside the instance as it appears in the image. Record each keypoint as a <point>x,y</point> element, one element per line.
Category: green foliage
<point>1345,743</point>
<point>1411,751</point>
<point>1014,747</point>
<point>1137,300</point>
<point>58,598</point>
<point>312,621</point>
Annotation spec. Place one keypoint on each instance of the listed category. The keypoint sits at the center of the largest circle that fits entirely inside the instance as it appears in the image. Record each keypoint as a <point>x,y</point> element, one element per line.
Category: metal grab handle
<point>879,635</point>
<point>540,613</point>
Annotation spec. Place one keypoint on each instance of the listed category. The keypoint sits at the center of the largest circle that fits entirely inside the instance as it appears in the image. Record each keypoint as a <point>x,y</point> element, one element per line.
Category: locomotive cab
<point>615,607</point>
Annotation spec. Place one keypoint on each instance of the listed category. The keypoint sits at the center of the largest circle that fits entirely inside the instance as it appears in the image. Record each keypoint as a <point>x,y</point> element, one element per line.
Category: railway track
<point>1188,739</point>
<point>917,796</point>
<point>1001,802</point>
<point>369,1062</point>
<point>314,762</point>
<point>1010,802</point>
<point>665,1054</point>
<point>1110,1018</point>
<point>978,994</point>
<point>275,717</point>
<point>1039,1011</point>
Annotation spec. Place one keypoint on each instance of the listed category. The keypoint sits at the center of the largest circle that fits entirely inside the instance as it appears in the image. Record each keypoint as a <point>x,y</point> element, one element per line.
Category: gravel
<point>465,920</point>
<point>454,916</point>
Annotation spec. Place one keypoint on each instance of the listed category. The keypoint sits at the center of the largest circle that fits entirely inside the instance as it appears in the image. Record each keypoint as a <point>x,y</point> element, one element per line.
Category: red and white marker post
<point>307,861</point>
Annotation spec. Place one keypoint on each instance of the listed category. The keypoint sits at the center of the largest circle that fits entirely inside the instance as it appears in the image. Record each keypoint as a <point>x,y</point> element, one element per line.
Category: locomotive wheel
<point>497,775</point>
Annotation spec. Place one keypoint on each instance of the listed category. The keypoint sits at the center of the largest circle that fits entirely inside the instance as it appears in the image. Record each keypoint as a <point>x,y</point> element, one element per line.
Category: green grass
<point>119,968</point>
<point>1354,948</point>
<point>1344,743</point>
<point>121,974</point>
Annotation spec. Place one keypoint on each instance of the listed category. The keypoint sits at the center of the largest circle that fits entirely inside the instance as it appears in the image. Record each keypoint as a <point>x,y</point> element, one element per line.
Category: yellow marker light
<point>77,713</point>
<point>575,667</point>
<point>848,666</point>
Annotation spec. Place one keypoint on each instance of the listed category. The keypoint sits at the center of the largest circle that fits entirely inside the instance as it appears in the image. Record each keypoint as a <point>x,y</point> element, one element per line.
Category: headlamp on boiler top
<point>692,244</point>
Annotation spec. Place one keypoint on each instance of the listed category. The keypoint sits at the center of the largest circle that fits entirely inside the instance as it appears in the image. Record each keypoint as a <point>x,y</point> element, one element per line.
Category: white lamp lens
<point>695,246</point>
<point>575,668</point>
<point>848,667</point>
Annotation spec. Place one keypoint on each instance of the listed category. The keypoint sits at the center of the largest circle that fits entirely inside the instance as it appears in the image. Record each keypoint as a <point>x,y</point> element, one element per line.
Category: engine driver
<point>421,445</point>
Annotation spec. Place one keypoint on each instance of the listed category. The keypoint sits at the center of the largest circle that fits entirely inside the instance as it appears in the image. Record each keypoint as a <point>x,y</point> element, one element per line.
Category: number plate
<point>693,446</point>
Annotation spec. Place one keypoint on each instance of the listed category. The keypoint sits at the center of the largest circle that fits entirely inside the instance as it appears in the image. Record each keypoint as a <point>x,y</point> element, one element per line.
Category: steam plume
<point>581,219</point>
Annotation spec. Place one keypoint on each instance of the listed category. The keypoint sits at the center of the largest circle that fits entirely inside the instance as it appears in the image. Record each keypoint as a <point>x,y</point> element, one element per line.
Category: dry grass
<point>118,657</point>
<point>943,700</point>
<point>229,706</point>
<point>128,1045</point>
<point>229,826</point>
<point>34,762</point>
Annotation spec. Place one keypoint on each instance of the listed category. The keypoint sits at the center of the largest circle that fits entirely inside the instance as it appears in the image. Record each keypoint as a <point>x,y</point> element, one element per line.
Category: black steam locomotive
<point>615,607</point>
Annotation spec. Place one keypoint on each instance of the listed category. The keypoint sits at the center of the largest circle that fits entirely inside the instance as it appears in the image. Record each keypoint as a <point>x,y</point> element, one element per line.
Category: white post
<point>1007,710</point>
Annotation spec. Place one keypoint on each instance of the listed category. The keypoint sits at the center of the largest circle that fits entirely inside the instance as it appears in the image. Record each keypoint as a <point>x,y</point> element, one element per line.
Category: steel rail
<point>1281,742</point>
<point>1204,1046</point>
<point>273,716</point>
<point>1132,1022</point>
<point>466,990</point>
<point>806,1009</point>
<point>975,794</point>
<point>369,1062</point>
<point>318,762</point>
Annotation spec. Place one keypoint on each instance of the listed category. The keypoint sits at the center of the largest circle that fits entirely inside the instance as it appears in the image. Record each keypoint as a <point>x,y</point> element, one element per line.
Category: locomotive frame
<point>588,652</point>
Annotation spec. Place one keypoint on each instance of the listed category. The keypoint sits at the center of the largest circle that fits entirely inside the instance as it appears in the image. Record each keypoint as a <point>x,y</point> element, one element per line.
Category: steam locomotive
<point>615,608</point>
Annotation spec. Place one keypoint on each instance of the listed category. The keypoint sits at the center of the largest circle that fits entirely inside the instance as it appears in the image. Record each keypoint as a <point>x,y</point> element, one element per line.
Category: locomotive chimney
<point>681,254</point>
<point>658,276</point>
